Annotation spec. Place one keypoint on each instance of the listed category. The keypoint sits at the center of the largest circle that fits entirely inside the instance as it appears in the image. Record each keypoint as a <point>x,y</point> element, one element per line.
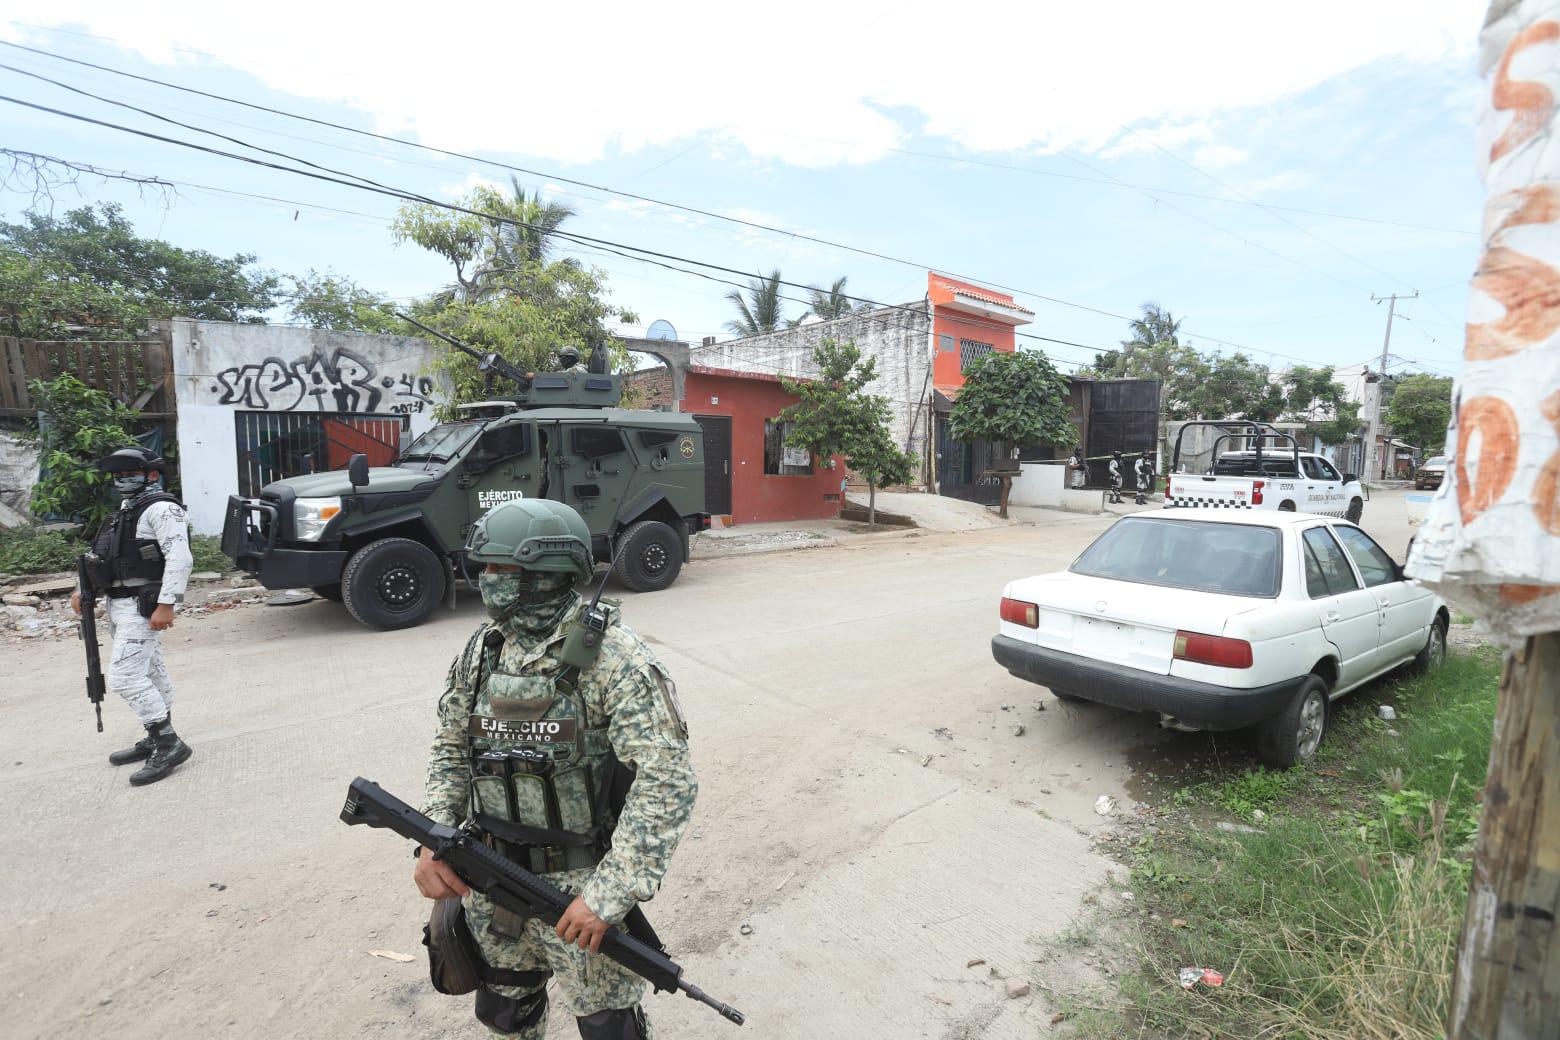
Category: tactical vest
<point>545,781</point>
<point>122,558</point>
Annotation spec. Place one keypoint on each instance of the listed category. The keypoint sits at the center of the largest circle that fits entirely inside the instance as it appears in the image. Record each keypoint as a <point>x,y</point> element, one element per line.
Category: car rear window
<point>1231,559</point>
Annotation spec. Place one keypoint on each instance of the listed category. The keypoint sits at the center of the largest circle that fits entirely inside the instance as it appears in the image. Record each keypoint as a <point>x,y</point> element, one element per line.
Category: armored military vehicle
<point>387,541</point>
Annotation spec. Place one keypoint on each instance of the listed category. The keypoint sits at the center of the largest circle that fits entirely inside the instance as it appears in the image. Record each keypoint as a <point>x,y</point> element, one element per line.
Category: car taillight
<point>1214,650</point>
<point>1020,613</point>
<point>1256,492</point>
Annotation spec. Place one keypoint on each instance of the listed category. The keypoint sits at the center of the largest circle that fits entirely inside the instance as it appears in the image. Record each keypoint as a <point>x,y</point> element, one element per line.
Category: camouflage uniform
<point>627,692</point>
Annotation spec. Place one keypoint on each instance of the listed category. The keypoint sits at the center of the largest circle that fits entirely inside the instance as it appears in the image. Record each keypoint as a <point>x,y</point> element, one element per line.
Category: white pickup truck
<point>1270,476</point>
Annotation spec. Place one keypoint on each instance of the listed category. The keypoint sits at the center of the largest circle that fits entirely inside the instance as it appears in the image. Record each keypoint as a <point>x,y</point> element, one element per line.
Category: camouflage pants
<point>587,982</point>
<point>135,668</point>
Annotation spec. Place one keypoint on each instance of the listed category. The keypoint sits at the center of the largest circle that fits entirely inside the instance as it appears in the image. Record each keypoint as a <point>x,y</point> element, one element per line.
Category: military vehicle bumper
<point>251,530</point>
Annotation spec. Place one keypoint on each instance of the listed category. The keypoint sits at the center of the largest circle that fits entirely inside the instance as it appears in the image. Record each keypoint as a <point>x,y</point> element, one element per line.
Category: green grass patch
<point>29,549</point>
<point>205,548</point>
<point>1338,918</point>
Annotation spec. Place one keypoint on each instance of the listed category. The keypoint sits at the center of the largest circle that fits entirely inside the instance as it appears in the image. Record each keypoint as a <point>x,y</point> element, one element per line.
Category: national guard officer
<point>580,773</point>
<point>569,360</point>
<point>1145,479</point>
<point>143,563</point>
<point>1116,476</point>
<point>1080,469</point>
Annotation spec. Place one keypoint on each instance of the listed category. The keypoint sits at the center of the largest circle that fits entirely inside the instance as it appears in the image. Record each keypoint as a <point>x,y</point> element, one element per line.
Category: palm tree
<point>1157,325</point>
<point>526,235</point>
<point>758,307</point>
<point>832,302</point>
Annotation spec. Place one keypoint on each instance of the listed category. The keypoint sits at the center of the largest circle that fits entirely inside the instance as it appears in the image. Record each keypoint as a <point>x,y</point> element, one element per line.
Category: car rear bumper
<point>1194,704</point>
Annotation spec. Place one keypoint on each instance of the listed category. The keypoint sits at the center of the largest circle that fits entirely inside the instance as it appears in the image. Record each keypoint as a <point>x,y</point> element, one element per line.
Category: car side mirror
<point>357,471</point>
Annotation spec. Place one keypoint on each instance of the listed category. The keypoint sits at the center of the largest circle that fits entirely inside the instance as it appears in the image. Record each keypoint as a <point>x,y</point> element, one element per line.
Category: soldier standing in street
<point>1145,479</point>
<point>1080,469</point>
<point>1116,476</point>
<point>580,773</point>
<point>142,565</point>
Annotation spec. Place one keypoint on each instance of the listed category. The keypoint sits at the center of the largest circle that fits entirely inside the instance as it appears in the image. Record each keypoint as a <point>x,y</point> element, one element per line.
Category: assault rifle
<point>88,633</point>
<point>511,886</point>
<point>490,364</point>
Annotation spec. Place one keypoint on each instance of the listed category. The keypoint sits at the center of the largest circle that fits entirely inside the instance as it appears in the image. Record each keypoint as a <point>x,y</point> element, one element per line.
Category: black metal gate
<point>1124,417</point>
<point>717,463</point>
<point>276,445</point>
<point>960,465</point>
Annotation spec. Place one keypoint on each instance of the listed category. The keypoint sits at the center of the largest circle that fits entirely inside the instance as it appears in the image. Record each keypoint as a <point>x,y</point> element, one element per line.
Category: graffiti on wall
<point>344,381</point>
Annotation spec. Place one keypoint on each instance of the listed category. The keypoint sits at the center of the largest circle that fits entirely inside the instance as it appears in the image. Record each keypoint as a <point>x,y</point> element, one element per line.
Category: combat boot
<point>140,751</point>
<point>167,752</point>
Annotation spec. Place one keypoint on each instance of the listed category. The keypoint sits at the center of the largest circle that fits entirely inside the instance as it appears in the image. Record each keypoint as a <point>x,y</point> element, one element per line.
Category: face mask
<point>527,605</point>
<point>129,485</point>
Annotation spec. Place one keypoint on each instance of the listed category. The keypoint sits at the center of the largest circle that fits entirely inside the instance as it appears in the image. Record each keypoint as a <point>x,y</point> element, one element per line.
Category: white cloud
<point>994,79</point>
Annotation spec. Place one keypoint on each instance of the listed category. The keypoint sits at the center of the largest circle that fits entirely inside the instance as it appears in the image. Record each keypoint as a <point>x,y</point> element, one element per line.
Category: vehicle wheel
<point>650,556</point>
<point>1293,735</point>
<point>1286,507</point>
<point>1433,654</point>
<point>392,583</point>
<point>330,592</point>
<point>1355,511</point>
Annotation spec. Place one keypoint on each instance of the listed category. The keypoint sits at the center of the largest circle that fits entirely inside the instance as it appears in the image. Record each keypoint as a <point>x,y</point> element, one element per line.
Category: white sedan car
<point>1221,621</point>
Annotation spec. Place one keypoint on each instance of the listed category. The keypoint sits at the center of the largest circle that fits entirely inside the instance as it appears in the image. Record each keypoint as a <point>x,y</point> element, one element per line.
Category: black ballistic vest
<point>122,556</point>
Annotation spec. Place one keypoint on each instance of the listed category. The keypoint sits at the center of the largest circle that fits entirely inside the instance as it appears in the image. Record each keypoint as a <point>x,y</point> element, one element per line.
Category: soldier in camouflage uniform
<point>541,756</point>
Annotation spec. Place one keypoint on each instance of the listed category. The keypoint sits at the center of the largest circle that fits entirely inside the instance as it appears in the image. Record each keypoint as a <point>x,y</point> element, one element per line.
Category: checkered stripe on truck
<point>1196,502</point>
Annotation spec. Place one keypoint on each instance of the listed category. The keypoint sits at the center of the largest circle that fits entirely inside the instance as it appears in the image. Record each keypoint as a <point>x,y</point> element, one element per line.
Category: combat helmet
<point>535,535</point>
<point>131,459</point>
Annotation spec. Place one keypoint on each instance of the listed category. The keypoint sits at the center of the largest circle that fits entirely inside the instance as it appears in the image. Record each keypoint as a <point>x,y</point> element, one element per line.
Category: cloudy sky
<point>1261,169</point>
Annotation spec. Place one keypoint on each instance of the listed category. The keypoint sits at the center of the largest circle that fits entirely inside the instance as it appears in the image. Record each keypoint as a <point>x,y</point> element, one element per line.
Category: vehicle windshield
<point>1439,460</point>
<point>441,443</point>
<point>1230,559</point>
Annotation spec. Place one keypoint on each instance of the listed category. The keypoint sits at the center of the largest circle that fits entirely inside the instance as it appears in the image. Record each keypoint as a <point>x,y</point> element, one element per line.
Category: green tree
<point>1314,397</point>
<point>508,296</point>
<point>758,306</point>
<point>335,302</point>
<point>80,426</point>
<point>834,415</point>
<point>1232,386</point>
<point>1153,326</point>
<point>46,299</point>
<point>94,256</point>
<point>1016,399</point>
<point>829,303</point>
<point>1420,410</point>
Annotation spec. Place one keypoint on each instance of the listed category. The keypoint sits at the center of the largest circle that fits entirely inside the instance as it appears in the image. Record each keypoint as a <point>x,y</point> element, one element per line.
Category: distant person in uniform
<point>1117,475</point>
<point>569,360</point>
<point>1080,469</point>
<point>1145,479</point>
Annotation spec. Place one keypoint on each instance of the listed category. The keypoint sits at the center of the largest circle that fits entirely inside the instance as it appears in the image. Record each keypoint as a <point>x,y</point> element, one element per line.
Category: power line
<point>709,213</point>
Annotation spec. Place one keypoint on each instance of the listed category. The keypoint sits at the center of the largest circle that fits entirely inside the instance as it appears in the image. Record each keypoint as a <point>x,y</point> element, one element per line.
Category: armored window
<point>500,443</point>
<point>781,459</point>
<point>971,351</point>
<point>597,442</point>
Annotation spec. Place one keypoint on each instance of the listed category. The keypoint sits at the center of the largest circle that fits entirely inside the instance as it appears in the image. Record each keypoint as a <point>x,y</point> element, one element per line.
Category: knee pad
<point>511,1015</point>
<point>614,1024</point>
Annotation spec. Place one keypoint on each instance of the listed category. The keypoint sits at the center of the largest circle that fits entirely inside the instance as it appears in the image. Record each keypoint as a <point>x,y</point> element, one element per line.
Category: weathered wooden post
<point>1491,540</point>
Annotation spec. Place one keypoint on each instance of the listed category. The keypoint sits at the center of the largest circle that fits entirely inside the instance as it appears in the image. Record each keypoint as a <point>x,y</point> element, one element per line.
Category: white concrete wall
<point>222,368</point>
<point>1038,484</point>
<point>898,337</point>
<point>18,472</point>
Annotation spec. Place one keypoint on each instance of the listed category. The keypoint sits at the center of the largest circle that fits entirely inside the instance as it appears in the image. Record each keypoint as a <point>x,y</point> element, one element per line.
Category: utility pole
<point>1386,342</point>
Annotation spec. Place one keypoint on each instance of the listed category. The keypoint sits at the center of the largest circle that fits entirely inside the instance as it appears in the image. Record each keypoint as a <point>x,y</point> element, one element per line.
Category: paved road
<point>817,684</point>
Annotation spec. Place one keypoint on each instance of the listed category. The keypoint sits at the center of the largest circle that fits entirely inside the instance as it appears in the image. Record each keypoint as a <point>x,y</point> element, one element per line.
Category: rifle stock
<point>511,886</point>
<point>88,635</point>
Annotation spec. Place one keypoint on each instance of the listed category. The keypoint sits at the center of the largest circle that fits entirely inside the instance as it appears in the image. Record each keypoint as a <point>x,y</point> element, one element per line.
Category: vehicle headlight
<point>310,515</point>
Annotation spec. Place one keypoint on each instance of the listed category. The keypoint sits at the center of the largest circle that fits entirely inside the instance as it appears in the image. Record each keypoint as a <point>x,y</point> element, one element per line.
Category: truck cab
<point>388,541</point>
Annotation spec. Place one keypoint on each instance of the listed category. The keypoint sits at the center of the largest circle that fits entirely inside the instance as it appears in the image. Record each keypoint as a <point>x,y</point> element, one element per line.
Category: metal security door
<point>275,445</point>
<point>717,463</point>
<point>1124,417</point>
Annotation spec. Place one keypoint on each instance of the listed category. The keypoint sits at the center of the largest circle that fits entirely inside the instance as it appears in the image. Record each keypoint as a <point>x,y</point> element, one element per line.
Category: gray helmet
<point>130,459</point>
<point>535,535</point>
<point>568,357</point>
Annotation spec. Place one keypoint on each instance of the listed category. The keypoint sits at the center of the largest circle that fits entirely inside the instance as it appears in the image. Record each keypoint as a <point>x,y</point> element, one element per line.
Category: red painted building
<point>751,475</point>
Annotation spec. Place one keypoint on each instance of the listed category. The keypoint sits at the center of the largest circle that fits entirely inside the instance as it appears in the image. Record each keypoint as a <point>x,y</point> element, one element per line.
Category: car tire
<point>649,556</point>
<point>330,592</point>
<point>392,583</point>
<point>1286,507</point>
<point>1355,511</point>
<point>1433,653</point>
<point>1293,735</point>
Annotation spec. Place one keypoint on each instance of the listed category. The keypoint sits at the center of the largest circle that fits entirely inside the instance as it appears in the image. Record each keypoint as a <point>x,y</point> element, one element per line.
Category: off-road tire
<point>1355,511</point>
<point>650,556</point>
<point>1286,507</point>
<point>331,592</point>
<point>1433,653</point>
<point>1293,735</point>
<point>392,583</point>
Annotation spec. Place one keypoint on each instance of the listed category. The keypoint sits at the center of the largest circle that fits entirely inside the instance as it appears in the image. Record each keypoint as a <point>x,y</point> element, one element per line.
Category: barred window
<point>780,459</point>
<point>971,351</point>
